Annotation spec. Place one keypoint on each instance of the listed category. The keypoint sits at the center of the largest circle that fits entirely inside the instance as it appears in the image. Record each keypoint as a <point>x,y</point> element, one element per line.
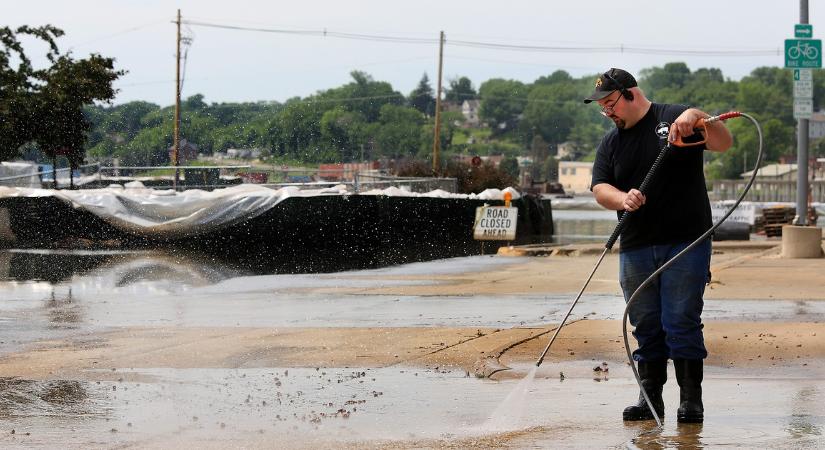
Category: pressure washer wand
<point>607,247</point>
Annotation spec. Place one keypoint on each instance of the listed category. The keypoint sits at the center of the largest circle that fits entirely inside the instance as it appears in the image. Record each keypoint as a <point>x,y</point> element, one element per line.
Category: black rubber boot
<point>689,377</point>
<point>653,375</point>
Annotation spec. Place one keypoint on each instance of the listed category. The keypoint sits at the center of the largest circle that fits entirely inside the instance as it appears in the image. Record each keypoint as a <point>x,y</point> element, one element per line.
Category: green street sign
<point>803,30</point>
<point>803,53</point>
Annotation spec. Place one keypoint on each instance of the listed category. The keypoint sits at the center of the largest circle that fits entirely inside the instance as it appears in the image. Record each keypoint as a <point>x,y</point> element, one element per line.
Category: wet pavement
<point>398,406</point>
<point>394,406</point>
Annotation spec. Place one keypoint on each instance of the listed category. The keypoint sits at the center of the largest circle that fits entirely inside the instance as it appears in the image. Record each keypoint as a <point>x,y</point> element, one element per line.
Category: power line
<point>614,49</point>
<point>502,47</point>
<point>321,33</point>
<point>117,33</point>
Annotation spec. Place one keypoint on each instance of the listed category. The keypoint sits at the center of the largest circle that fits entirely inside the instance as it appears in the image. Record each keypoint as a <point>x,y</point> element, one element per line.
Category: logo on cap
<point>598,81</point>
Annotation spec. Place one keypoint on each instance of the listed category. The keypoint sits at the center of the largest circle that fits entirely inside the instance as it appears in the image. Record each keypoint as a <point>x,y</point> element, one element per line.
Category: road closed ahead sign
<point>495,223</point>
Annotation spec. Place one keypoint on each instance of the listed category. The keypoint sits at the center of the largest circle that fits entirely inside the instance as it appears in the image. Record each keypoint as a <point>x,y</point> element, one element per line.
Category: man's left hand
<point>684,124</point>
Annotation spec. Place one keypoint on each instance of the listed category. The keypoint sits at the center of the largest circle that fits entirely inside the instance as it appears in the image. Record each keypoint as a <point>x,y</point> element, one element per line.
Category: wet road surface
<point>393,406</point>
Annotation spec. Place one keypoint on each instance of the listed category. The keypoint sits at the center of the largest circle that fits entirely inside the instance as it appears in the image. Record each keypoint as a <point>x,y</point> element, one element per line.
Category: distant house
<point>448,106</point>
<point>816,125</point>
<point>188,152</point>
<point>774,172</point>
<point>469,109</point>
<point>243,153</point>
<point>345,172</point>
<point>575,176</point>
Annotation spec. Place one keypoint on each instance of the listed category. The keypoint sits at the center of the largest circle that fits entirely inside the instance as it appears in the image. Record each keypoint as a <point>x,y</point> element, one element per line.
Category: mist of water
<point>509,415</point>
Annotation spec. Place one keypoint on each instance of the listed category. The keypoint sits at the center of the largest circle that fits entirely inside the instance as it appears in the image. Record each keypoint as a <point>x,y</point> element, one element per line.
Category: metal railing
<point>765,190</point>
<point>212,177</point>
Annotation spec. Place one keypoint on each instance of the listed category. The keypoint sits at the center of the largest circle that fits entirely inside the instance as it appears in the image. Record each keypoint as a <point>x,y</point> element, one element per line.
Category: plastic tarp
<point>140,210</point>
<point>19,174</point>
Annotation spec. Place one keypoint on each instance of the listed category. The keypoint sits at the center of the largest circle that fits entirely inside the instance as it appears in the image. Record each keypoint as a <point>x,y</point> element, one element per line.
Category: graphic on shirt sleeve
<point>662,130</point>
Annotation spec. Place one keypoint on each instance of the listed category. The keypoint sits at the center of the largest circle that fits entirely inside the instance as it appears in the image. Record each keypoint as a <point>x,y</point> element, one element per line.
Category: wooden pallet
<point>775,217</point>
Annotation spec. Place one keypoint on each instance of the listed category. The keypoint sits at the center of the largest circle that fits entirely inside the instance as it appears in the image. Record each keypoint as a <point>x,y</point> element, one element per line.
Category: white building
<point>774,172</point>
<point>575,176</point>
<point>816,125</point>
<point>469,109</point>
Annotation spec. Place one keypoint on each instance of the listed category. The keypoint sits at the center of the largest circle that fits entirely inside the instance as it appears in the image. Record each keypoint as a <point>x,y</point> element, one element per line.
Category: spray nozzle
<point>702,126</point>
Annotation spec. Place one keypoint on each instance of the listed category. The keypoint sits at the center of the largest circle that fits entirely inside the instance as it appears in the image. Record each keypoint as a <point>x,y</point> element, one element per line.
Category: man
<point>667,313</point>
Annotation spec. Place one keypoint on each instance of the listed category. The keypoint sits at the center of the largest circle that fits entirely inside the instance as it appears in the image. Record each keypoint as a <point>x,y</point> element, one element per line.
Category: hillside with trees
<point>367,119</point>
<point>62,111</point>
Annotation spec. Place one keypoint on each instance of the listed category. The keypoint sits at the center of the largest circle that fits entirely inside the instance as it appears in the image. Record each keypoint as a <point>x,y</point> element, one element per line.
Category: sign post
<point>802,54</point>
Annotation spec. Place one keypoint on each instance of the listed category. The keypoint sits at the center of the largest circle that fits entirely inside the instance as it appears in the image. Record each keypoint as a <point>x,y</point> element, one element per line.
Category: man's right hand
<point>633,200</point>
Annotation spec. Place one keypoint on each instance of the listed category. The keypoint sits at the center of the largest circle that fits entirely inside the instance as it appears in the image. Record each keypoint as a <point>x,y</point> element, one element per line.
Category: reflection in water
<point>185,266</point>
<point>23,398</point>
<point>51,266</point>
<point>63,311</point>
<point>123,268</point>
<point>688,436</point>
<point>801,424</point>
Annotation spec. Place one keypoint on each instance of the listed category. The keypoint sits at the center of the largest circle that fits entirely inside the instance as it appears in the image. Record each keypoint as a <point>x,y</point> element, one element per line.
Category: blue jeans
<point>667,313</point>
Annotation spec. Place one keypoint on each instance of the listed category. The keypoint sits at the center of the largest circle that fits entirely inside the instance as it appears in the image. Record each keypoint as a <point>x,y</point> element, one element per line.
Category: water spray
<point>701,125</point>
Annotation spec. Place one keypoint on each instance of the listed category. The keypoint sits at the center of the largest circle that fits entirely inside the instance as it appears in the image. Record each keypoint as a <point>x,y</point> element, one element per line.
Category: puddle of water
<point>328,406</point>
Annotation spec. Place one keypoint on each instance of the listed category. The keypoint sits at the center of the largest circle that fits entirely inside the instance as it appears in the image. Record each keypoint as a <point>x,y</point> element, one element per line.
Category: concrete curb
<point>597,249</point>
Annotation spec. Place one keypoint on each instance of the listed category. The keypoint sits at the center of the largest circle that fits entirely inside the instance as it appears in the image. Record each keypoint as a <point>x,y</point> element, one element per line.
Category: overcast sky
<point>233,66</point>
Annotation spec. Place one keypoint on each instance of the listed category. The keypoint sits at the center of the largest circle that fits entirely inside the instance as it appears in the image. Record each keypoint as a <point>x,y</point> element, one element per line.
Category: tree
<point>300,126</point>
<point>46,105</point>
<point>363,95</point>
<point>18,109</point>
<point>550,169</point>
<point>399,134</point>
<point>502,101</point>
<point>341,132</point>
<point>460,89</point>
<point>559,76</point>
<point>509,165</point>
<point>672,76</point>
<point>552,110</point>
<point>421,98</point>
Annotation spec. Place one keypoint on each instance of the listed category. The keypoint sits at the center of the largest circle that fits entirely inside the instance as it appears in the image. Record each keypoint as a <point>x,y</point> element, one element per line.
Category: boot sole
<point>638,418</point>
<point>692,419</point>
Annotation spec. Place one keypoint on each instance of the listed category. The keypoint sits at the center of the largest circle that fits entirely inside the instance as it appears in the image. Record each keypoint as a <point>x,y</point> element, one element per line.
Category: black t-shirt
<point>677,207</point>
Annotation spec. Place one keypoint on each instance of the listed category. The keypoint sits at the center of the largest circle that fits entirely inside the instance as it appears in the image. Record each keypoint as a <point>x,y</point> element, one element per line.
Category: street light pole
<point>176,144</point>
<point>437,132</point>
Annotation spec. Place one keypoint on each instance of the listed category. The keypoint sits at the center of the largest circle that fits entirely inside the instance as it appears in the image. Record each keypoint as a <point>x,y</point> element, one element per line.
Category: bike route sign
<point>803,53</point>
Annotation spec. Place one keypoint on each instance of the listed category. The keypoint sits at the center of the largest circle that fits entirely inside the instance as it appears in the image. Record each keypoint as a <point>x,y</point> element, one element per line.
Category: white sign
<point>495,223</point>
<point>803,75</point>
<point>803,89</point>
<point>744,213</point>
<point>803,108</point>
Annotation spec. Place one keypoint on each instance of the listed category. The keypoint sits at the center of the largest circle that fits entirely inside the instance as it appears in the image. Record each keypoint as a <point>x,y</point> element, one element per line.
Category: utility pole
<point>802,149</point>
<point>437,132</point>
<point>176,145</point>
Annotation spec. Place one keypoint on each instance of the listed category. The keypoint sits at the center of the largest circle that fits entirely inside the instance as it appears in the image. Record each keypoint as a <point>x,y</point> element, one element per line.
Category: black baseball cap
<point>611,81</point>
